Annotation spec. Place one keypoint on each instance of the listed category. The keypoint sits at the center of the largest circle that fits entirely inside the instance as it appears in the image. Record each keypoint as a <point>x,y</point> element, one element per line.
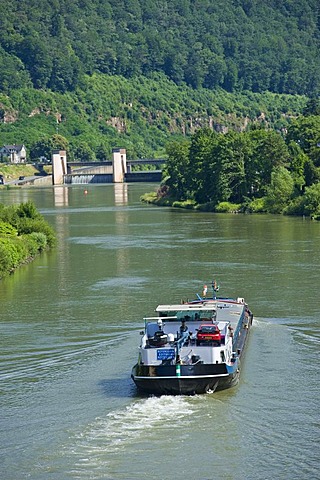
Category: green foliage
<point>9,214</point>
<point>12,72</point>
<point>39,239</point>
<point>23,234</point>
<point>31,244</point>
<point>187,204</point>
<point>312,200</point>
<point>150,197</point>
<point>227,167</point>
<point>13,253</point>
<point>254,171</point>
<point>241,45</point>
<point>305,131</point>
<point>269,151</point>
<point>140,114</point>
<point>42,149</point>
<point>257,205</point>
<point>28,210</point>
<point>7,230</point>
<point>227,207</point>
<point>312,107</point>
<point>295,207</point>
<point>280,190</point>
<point>203,165</point>
<point>82,152</point>
<point>296,166</point>
<point>176,168</point>
<point>5,260</point>
<point>311,173</point>
<point>28,225</point>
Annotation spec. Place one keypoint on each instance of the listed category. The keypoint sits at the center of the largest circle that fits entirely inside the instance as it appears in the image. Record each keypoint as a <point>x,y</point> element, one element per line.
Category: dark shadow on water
<point>119,387</point>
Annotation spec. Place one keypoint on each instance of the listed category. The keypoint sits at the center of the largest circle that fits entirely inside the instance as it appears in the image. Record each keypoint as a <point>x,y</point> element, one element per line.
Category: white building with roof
<point>16,153</point>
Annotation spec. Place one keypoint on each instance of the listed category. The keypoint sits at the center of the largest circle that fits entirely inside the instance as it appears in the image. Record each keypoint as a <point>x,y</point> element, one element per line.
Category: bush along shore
<point>309,204</point>
<point>24,234</point>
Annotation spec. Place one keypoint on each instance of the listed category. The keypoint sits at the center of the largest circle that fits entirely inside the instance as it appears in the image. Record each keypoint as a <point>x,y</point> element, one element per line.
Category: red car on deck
<point>208,333</point>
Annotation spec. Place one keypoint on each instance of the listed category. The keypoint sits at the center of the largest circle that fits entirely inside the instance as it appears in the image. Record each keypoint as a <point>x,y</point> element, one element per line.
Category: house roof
<point>17,148</point>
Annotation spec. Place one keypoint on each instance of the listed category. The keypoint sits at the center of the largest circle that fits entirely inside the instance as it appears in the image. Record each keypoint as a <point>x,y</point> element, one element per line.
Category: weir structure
<point>59,166</point>
<point>119,164</point>
<point>116,171</point>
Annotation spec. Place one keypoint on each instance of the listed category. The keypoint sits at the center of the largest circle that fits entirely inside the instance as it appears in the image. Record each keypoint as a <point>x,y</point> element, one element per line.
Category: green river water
<point>70,324</point>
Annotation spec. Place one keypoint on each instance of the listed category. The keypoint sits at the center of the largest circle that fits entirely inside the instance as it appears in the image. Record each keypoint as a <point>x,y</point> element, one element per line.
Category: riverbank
<point>24,234</point>
<point>11,172</point>
<point>259,205</point>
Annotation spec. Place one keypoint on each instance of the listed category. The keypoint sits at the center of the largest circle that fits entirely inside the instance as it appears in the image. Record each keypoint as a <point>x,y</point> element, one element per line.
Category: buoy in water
<point>86,192</point>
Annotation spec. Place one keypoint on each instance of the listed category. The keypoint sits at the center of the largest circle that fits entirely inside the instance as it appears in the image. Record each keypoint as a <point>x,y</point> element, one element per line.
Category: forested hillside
<point>89,75</point>
<point>140,114</point>
<point>255,45</point>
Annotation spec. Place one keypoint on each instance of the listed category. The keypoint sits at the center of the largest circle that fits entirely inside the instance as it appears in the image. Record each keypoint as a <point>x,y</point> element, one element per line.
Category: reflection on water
<point>61,198</point>
<point>121,193</point>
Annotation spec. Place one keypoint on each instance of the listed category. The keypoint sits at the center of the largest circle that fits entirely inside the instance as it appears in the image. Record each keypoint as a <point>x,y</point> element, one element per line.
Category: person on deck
<point>184,332</point>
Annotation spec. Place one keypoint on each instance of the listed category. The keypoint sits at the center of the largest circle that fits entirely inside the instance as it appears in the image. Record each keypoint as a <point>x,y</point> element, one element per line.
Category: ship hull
<point>186,380</point>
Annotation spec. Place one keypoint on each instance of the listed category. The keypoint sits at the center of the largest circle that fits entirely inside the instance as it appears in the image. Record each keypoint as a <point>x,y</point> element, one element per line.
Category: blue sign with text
<point>165,354</point>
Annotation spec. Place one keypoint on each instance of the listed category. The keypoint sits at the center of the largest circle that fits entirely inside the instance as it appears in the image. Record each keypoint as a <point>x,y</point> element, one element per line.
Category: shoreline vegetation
<point>256,171</point>
<point>24,234</point>
<point>157,199</point>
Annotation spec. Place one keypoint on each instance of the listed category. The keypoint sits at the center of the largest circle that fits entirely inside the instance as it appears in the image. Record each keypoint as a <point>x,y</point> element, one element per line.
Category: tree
<point>233,167</point>
<point>102,152</point>
<point>244,44</point>
<point>269,151</point>
<point>196,68</point>
<point>66,70</point>
<point>305,131</point>
<point>311,172</point>
<point>296,166</point>
<point>42,149</point>
<point>312,200</point>
<point>174,65</point>
<point>13,73</point>
<point>176,169</point>
<point>231,76</point>
<point>216,69</point>
<point>60,142</point>
<point>83,153</point>
<point>280,190</point>
<point>201,157</point>
<point>36,55</point>
<point>312,107</point>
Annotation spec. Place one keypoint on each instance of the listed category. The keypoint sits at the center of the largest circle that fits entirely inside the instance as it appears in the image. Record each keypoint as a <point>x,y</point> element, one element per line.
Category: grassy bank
<point>11,172</point>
